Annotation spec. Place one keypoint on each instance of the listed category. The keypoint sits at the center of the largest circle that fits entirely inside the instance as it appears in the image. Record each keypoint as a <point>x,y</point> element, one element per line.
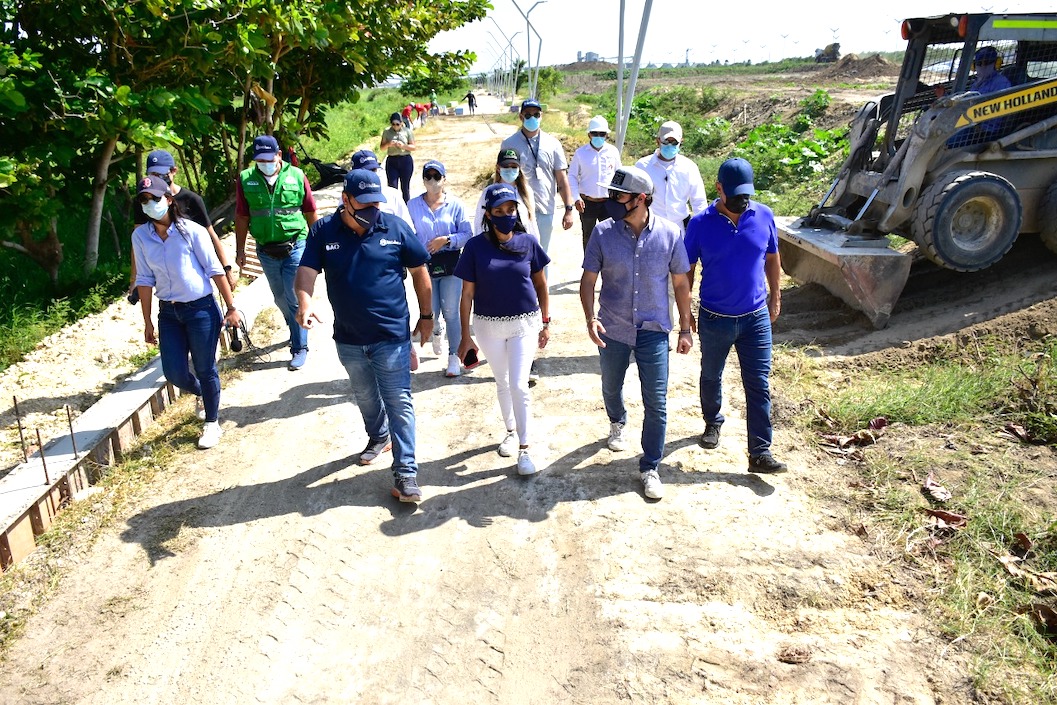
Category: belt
<point>184,303</point>
<point>592,199</point>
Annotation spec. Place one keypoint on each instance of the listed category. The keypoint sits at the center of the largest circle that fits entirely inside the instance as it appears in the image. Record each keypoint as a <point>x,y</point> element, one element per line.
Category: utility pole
<point>528,43</point>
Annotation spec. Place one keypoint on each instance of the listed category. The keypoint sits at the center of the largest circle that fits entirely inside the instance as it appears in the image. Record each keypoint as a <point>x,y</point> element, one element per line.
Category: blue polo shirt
<point>365,276</point>
<point>733,282</point>
<point>502,277</point>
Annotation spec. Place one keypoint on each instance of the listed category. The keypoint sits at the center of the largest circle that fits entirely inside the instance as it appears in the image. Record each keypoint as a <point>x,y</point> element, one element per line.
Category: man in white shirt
<point>679,191</point>
<point>590,169</point>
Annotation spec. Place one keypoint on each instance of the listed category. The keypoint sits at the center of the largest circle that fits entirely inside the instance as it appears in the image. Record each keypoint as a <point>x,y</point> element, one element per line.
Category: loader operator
<point>988,80</point>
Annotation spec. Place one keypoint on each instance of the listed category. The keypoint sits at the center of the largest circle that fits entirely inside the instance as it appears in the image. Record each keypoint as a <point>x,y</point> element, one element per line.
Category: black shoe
<point>766,463</point>
<point>534,375</point>
<point>375,447</point>
<point>710,438</point>
<point>406,489</point>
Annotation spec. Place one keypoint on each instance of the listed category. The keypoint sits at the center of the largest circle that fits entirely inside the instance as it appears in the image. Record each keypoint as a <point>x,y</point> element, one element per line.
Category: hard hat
<point>598,124</point>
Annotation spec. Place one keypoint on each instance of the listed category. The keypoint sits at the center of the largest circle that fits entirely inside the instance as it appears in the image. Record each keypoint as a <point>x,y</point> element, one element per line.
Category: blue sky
<point>759,32</point>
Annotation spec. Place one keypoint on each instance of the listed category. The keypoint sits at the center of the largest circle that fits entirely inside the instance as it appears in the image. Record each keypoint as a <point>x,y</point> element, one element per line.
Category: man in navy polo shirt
<point>363,252</point>
<point>736,241</point>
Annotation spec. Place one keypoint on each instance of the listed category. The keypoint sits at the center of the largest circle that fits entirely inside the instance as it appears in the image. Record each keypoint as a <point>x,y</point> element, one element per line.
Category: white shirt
<point>674,184</point>
<point>531,227</point>
<point>394,204</point>
<point>590,167</point>
<point>541,157</point>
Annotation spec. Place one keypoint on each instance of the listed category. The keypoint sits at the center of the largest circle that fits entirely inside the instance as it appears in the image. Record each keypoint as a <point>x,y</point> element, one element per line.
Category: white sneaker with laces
<point>525,466</point>
<point>454,366</point>
<point>617,442</point>
<point>508,445</point>
<point>211,433</point>
<point>200,409</point>
<point>438,342</point>
<point>651,484</point>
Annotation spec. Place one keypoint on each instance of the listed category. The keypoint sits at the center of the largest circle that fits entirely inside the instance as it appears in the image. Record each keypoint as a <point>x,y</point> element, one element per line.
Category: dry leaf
<point>934,489</point>
<point>1021,545</point>
<point>878,423</point>
<point>861,531</point>
<point>1018,432</point>
<point>983,600</point>
<point>1042,583</point>
<point>947,520</point>
<point>1044,616</point>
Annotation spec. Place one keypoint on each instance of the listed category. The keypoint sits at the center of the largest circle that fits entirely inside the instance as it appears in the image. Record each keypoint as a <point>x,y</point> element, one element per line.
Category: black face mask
<point>737,204</point>
<point>366,217</point>
<point>616,210</point>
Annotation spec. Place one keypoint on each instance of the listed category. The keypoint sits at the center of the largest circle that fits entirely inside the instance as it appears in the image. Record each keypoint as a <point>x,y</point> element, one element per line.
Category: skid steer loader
<point>958,172</point>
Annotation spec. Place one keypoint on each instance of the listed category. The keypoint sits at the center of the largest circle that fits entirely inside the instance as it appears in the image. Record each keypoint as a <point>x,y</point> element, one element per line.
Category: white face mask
<point>433,186</point>
<point>155,210</point>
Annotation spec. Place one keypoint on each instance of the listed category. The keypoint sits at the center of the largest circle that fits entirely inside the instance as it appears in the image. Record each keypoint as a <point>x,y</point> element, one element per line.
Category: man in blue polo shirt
<point>736,241</point>
<point>363,252</point>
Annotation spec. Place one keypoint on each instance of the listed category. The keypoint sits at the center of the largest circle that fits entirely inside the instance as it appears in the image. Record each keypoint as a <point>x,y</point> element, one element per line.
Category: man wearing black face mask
<point>637,254</point>
<point>364,252</point>
<point>736,241</point>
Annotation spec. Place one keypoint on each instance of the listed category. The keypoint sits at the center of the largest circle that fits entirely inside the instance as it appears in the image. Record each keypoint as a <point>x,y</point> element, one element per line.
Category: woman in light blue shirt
<point>175,260</point>
<point>443,227</point>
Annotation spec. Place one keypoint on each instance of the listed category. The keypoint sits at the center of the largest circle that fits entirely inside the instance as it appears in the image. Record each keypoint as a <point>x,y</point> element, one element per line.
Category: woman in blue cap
<point>505,287</point>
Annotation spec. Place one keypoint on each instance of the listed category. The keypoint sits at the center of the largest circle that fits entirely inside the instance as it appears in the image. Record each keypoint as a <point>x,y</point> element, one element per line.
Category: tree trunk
<point>95,215</point>
<point>243,119</point>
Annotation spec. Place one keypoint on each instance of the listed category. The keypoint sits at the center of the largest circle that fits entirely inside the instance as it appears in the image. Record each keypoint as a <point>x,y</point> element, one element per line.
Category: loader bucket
<point>869,279</point>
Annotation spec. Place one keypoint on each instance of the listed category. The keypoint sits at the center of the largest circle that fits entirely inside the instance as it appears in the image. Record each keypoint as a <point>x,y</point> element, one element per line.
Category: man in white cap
<point>637,255</point>
<point>591,168</point>
<point>678,187</point>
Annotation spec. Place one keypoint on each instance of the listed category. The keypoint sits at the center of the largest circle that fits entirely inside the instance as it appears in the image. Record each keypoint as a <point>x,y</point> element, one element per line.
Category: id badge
<point>539,174</point>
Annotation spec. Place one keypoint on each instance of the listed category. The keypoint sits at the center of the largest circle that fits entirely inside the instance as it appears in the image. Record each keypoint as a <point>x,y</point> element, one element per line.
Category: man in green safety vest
<point>274,203</point>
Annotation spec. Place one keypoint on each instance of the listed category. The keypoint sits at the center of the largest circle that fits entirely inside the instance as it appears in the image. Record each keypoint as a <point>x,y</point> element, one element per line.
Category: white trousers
<point>510,360</point>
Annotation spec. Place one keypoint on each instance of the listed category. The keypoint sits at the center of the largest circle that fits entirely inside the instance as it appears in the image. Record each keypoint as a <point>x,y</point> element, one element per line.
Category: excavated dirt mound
<point>852,67</point>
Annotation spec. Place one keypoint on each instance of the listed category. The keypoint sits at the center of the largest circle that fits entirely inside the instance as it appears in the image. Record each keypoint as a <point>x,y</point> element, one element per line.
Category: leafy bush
<point>781,155</point>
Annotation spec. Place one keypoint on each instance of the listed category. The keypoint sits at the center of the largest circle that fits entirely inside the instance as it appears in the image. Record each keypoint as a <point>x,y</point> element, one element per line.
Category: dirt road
<point>273,569</point>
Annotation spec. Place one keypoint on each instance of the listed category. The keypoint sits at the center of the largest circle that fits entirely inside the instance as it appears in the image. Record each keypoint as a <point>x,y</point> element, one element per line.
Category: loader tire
<point>967,220</point>
<point>1048,218</point>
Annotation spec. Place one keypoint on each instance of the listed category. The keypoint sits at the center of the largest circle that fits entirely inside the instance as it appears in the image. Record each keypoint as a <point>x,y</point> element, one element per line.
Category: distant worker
<point>590,169</point>
<point>637,255</point>
<point>399,142</point>
<point>364,253</point>
<point>678,188</point>
<point>988,80</point>
<point>471,101</point>
<point>274,203</point>
<point>736,241</point>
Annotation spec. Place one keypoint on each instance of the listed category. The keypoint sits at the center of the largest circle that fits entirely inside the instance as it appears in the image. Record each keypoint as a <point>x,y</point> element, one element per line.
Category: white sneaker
<point>454,366</point>
<point>651,484</point>
<point>211,433</point>
<point>200,409</point>
<point>525,465</point>
<point>508,445</point>
<point>438,342</point>
<point>617,442</point>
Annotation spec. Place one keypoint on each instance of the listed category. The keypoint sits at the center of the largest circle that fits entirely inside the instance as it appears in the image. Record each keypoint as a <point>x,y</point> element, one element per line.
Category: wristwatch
<point>227,267</point>
<point>569,208</point>
<point>426,317</point>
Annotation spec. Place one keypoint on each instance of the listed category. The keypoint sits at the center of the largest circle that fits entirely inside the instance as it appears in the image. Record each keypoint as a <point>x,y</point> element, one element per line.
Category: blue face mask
<point>366,217</point>
<point>504,223</point>
<point>598,142</point>
<point>532,124</point>
<point>509,175</point>
<point>668,151</point>
<point>268,168</point>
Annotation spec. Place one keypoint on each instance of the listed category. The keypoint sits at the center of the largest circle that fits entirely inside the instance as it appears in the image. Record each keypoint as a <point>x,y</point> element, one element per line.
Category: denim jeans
<point>280,274</point>
<point>751,337</point>
<point>447,292</point>
<point>193,328</point>
<point>651,358</point>
<point>380,376</point>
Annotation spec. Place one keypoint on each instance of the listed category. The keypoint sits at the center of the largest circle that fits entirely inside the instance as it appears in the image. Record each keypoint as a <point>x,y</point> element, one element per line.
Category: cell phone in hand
<point>470,360</point>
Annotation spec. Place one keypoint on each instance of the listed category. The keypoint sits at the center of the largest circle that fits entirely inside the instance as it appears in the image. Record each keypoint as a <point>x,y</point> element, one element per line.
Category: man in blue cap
<point>736,241</point>
<point>988,79</point>
<point>274,203</point>
<point>364,252</point>
<point>394,202</point>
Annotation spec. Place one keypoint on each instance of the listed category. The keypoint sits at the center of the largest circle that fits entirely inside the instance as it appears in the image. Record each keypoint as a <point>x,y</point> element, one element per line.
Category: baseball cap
<point>507,155</point>
<point>986,55</point>
<point>265,147</point>
<point>735,176</point>
<point>160,162</point>
<point>365,159</point>
<point>152,185</point>
<point>395,117</point>
<point>435,166</point>
<point>630,179</point>
<point>670,129</point>
<point>598,124</point>
<point>530,103</point>
<point>364,186</point>
<point>498,194</point>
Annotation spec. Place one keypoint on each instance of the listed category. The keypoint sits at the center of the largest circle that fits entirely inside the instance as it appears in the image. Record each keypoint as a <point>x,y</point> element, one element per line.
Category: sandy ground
<point>274,569</point>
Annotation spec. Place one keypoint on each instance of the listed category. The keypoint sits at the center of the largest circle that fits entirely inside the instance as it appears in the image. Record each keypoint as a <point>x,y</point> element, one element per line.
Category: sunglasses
<point>146,198</point>
<point>431,176</point>
<point>597,134</point>
<point>617,195</point>
<point>533,115</point>
<point>671,142</point>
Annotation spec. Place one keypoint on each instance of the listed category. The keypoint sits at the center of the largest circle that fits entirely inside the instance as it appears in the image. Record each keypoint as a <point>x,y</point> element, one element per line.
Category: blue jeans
<point>280,274</point>
<point>447,292</point>
<point>380,376</point>
<point>751,337</point>
<point>651,358</point>
<point>193,328</point>
<point>398,172</point>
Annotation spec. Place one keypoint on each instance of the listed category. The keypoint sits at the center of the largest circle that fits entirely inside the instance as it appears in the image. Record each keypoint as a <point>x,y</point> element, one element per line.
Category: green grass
<point>353,125</point>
